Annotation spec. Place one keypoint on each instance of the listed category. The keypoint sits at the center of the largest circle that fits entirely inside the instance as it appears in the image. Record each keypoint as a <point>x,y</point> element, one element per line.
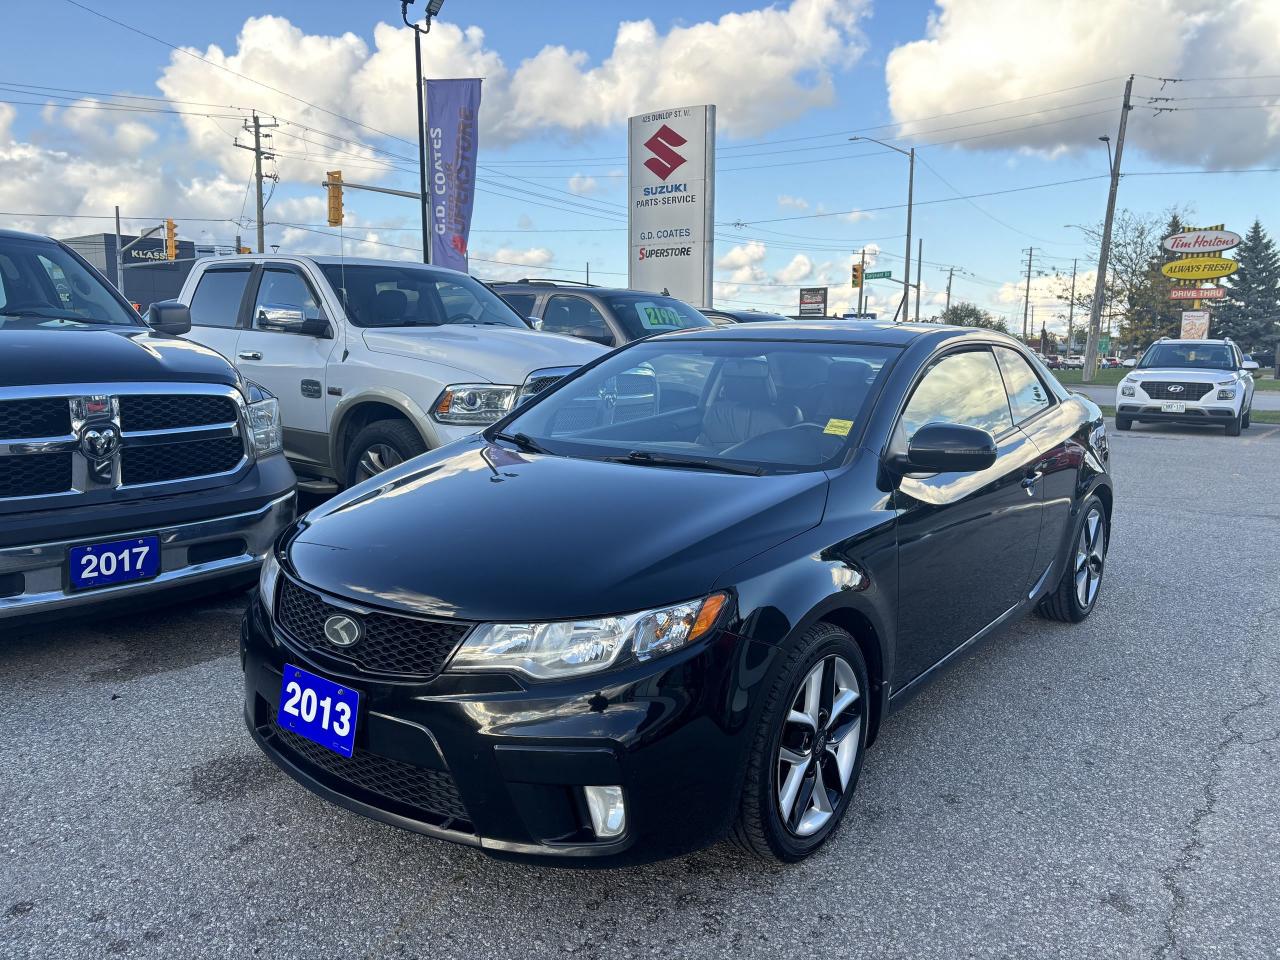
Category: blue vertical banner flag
<point>453,137</point>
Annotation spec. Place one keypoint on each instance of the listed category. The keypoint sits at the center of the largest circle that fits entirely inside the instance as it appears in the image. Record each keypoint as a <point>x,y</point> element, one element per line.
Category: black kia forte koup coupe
<point>674,598</point>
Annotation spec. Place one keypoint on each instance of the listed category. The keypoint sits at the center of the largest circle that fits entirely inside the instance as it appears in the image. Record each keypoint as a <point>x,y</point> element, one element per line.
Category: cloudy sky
<point>1005,100</point>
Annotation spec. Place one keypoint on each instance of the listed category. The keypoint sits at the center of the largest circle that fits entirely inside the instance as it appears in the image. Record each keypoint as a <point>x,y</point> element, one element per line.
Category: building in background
<point>148,276</point>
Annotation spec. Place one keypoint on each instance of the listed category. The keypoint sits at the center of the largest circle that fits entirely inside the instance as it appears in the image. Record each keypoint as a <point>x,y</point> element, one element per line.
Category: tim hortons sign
<point>1202,241</point>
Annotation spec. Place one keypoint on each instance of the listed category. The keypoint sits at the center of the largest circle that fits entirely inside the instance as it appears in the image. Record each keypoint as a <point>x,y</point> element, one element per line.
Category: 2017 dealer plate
<point>318,709</point>
<point>118,561</point>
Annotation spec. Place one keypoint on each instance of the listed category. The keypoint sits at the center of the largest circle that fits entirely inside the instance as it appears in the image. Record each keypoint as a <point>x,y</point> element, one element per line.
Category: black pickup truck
<point>134,464</point>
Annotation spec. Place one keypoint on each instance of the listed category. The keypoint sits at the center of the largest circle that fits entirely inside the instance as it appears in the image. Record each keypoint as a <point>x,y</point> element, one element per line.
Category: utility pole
<point>911,180</point>
<point>1071,308</point>
<point>1100,283</point>
<point>951,272</point>
<point>1026,299</point>
<point>863,285</point>
<point>256,127</point>
<point>919,264</point>
<point>119,255</point>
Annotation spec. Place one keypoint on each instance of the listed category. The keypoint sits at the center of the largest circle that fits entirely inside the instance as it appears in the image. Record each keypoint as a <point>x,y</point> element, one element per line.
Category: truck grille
<point>1159,390</point>
<point>391,645</point>
<point>34,476</point>
<point>177,461</point>
<point>42,417</point>
<point>165,412</point>
<point>432,793</point>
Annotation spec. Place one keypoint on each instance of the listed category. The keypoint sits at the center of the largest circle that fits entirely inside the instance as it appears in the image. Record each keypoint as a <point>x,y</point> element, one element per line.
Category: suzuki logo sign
<point>665,160</point>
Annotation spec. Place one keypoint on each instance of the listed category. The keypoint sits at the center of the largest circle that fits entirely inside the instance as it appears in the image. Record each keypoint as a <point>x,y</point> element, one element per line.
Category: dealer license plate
<point>1174,406</point>
<point>318,709</point>
<point>102,564</point>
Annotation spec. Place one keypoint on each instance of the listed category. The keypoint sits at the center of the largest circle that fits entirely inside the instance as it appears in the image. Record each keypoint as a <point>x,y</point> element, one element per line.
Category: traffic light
<point>333,184</point>
<point>170,240</point>
<point>856,275</point>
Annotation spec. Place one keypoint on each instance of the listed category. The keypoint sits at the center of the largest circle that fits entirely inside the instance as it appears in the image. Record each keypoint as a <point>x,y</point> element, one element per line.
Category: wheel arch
<point>858,625</point>
<point>358,414</point>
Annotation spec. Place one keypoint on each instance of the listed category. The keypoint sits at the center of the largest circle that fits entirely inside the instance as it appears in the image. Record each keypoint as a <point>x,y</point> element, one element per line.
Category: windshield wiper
<point>648,459</point>
<point>51,315</point>
<point>523,441</point>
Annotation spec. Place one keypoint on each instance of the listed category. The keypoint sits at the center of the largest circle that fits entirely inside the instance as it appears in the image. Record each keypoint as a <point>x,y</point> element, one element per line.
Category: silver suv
<point>1188,381</point>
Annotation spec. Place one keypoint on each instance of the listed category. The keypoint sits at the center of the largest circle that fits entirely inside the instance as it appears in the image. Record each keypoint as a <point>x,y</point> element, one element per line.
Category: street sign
<point>1202,241</point>
<point>1195,324</point>
<point>879,275</point>
<point>1197,293</point>
<point>1200,268</point>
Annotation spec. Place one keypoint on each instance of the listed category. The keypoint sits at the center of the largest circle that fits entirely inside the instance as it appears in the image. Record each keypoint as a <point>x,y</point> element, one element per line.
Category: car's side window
<point>281,287</point>
<point>521,303</point>
<point>216,302</point>
<point>963,388</point>
<point>1027,394</point>
<point>576,317</point>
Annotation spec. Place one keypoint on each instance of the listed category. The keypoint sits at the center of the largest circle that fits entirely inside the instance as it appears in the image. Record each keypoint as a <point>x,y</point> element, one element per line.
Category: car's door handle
<point>1030,480</point>
<point>250,355</point>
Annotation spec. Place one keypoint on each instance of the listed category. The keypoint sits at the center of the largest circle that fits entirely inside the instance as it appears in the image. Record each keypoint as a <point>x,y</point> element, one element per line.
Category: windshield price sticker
<point>839,428</point>
<point>655,317</point>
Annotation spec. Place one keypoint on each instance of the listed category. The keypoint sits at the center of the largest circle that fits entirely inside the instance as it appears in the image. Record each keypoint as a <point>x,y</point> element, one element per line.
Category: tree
<point>1250,312</point>
<point>971,315</point>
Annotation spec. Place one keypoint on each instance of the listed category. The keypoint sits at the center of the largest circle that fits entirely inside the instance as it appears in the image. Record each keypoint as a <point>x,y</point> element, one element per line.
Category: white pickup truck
<point>373,361</point>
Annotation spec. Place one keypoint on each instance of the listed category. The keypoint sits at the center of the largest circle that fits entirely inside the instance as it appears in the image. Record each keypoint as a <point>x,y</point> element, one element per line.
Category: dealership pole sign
<point>671,156</point>
<point>453,137</point>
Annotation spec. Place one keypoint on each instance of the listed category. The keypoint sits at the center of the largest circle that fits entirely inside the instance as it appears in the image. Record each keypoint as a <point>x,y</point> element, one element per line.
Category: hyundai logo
<point>99,442</point>
<point>342,631</point>
<point>1176,388</point>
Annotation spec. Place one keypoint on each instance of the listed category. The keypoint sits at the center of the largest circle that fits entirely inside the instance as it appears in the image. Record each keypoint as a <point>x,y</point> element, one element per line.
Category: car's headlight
<point>264,427</point>
<point>1227,394</point>
<point>569,648</point>
<point>267,578</point>
<point>473,404</point>
<point>1126,390</point>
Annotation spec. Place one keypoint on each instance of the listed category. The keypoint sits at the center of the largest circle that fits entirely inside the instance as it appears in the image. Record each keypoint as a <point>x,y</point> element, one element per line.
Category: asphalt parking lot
<point>1106,790</point>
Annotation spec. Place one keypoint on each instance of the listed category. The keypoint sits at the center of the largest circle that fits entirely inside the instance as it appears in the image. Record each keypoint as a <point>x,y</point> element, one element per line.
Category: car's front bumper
<point>494,763</point>
<point>196,554</point>
<point>1151,411</point>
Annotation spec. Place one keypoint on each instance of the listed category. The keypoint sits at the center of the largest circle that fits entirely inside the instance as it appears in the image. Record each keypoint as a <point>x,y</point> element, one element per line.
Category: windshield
<point>644,314</point>
<point>42,285</point>
<point>403,295</point>
<point>712,404</point>
<point>1212,356</point>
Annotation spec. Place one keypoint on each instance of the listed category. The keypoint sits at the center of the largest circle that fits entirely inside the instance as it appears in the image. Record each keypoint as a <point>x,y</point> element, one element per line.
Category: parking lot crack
<point>1192,851</point>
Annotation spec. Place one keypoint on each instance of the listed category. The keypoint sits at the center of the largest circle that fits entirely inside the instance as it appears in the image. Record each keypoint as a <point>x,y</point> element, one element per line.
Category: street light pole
<point>433,7</point>
<point>911,180</point>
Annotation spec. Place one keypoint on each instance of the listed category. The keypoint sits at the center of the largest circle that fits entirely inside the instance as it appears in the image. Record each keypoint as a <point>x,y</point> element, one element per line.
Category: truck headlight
<point>569,648</point>
<point>473,404</point>
<point>264,426</point>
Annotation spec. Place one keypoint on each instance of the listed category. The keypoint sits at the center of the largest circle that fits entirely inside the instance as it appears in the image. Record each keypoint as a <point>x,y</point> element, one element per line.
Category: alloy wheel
<point>1091,554</point>
<point>377,458</point>
<point>821,738</point>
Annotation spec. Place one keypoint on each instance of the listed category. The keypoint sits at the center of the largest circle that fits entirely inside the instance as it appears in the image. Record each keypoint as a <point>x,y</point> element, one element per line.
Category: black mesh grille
<point>39,473</point>
<point>176,461</point>
<point>1162,390</point>
<point>390,645</point>
<point>30,419</point>
<point>429,792</point>
<point>538,384</point>
<point>167,411</point>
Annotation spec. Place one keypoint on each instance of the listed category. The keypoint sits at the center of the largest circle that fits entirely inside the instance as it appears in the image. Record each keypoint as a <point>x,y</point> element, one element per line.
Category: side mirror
<point>948,448</point>
<point>1250,365</point>
<point>290,319</point>
<point>170,317</point>
<point>534,322</point>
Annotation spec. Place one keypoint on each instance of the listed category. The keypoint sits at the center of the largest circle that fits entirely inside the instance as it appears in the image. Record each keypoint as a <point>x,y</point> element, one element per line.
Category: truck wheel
<point>1123,423</point>
<point>1233,427</point>
<point>380,445</point>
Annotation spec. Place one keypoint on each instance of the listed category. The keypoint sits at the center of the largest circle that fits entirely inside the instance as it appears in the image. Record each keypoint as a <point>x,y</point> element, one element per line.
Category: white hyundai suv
<point>373,361</point>
<point>1188,381</point>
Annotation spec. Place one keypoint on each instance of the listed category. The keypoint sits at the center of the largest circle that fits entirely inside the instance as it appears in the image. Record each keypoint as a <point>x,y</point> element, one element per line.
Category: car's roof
<point>23,235</point>
<point>720,311</point>
<point>571,287</point>
<point>1205,340</point>
<point>842,331</point>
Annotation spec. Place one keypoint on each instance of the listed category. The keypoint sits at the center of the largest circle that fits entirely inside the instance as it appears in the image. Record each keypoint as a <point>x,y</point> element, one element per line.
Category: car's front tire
<point>1076,594</point>
<point>379,446</point>
<point>808,749</point>
<point>1123,423</point>
<point>1234,425</point>
<point>1244,418</point>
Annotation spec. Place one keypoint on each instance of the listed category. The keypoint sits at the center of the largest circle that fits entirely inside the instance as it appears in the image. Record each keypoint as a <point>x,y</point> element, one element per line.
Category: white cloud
<point>743,262</point>
<point>795,203</point>
<point>104,132</point>
<point>986,51</point>
<point>799,269</point>
<point>583,185</point>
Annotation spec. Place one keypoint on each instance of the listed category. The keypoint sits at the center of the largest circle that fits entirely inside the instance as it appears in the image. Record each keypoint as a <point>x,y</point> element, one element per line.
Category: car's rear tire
<point>1123,423</point>
<point>808,748</point>
<point>379,446</point>
<point>1233,426</point>
<point>1076,594</point>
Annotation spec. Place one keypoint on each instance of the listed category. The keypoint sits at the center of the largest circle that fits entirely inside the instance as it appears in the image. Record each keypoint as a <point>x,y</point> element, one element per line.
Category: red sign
<point>1197,293</point>
<point>664,161</point>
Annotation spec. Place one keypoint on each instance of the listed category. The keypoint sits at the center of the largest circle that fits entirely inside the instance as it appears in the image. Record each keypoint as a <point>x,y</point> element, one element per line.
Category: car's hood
<point>1181,374</point>
<point>480,532</point>
<point>485,353</point>
<point>31,357</point>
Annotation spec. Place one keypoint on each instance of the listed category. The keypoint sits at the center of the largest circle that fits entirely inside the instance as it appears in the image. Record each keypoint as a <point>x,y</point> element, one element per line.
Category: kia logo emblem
<point>342,631</point>
<point>99,442</point>
<point>1176,388</point>
<point>665,160</point>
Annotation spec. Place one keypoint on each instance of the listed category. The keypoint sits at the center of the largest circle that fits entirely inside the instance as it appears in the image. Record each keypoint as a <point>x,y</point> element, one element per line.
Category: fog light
<point>608,812</point>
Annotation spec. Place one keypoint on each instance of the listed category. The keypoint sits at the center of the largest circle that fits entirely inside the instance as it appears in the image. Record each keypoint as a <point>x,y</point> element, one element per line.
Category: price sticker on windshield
<point>839,428</point>
<point>655,317</point>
